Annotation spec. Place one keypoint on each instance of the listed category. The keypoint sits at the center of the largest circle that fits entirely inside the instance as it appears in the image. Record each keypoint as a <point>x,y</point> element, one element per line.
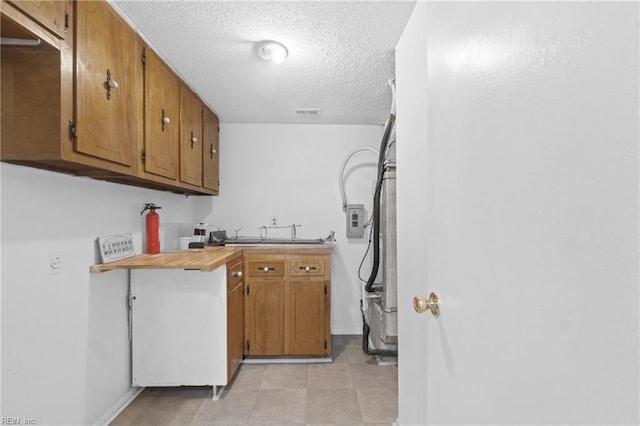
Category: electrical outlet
<point>273,221</point>
<point>56,262</point>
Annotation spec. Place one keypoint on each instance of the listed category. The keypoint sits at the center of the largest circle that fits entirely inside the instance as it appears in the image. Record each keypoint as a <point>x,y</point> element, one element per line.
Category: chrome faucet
<point>293,231</point>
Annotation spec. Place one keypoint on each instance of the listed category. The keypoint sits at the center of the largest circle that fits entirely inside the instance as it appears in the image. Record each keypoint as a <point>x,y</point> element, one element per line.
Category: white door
<point>518,203</point>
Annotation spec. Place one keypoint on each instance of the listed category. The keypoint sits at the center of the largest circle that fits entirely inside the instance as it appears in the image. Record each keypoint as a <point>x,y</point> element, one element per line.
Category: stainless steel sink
<point>258,240</point>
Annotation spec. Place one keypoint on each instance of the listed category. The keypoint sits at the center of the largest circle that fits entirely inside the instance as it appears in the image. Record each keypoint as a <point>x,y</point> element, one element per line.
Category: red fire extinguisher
<point>153,228</point>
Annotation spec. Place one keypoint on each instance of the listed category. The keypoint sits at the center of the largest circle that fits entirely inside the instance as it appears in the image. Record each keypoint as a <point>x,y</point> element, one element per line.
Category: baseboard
<point>396,423</point>
<point>286,360</point>
<point>349,331</point>
<point>120,405</point>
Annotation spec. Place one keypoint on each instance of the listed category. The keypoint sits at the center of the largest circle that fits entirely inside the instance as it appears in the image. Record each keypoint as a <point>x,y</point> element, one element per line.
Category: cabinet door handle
<point>237,274</point>
<point>193,139</point>
<point>165,120</point>
<point>110,84</point>
<point>212,151</point>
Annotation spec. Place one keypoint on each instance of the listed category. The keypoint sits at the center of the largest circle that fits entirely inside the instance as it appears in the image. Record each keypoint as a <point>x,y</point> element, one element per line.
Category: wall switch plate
<point>116,247</point>
<point>355,220</point>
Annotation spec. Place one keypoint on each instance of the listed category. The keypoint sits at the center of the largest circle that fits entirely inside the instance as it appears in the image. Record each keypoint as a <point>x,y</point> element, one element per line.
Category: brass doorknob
<point>422,304</point>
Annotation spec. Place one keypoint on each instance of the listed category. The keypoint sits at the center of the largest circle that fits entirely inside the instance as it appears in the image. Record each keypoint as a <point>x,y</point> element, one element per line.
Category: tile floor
<point>351,390</point>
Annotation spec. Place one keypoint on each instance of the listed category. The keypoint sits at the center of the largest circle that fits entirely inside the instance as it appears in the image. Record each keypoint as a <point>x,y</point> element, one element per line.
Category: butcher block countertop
<point>205,260</point>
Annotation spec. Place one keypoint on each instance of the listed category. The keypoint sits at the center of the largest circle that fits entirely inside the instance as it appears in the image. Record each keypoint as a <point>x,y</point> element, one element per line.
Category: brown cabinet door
<point>211,147</point>
<point>190,137</point>
<point>107,89</point>
<point>265,317</point>
<point>235,316</point>
<point>235,329</point>
<point>50,14</point>
<point>161,117</point>
<point>307,318</point>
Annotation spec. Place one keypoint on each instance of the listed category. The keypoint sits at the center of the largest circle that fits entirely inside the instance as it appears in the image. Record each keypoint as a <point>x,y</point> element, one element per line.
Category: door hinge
<point>73,132</point>
<point>143,156</point>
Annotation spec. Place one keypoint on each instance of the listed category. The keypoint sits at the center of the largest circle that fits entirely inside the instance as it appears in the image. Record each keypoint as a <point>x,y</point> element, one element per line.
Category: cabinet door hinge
<point>72,130</point>
<point>143,156</point>
<point>66,22</point>
<point>247,289</point>
<point>325,289</point>
<point>218,129</point>
<point>143,58</point>
<point>248,347</point>
<point>325,345</point>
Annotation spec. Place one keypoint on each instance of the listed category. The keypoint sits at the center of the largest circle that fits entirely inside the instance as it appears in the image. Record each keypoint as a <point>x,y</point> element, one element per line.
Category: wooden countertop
<point>208,259</point>
<point>205,260</point>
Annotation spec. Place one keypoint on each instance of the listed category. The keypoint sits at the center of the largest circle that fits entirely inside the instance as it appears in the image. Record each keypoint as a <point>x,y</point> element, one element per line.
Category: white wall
<point>65,348</point>
<point>519,121</point>
<point>291,172</point>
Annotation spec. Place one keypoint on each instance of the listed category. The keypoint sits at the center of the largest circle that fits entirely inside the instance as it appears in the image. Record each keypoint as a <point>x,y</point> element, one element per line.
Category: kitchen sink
<point>260,241</point>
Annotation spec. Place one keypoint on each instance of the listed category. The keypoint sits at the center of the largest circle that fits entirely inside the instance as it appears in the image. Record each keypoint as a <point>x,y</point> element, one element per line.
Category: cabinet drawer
<point>307,266</point>
<point>266,267</point>
<point>234,273</point>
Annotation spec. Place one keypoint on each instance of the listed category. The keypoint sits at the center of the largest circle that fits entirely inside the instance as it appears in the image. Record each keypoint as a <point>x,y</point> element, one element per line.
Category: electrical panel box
<point>355,220</point>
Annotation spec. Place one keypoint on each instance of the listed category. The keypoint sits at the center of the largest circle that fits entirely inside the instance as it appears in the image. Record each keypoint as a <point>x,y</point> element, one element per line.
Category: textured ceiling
<point>341,55</point>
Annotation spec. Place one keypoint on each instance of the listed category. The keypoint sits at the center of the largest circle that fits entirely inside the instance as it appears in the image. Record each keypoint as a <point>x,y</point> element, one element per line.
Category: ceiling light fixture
<point>272,51</point>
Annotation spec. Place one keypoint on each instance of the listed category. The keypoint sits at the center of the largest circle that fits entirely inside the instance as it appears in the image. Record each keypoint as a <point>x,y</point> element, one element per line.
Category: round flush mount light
<point>272,51</point>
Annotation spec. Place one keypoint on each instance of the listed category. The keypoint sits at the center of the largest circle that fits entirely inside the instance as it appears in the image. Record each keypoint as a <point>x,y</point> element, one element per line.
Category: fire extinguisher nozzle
<point>149,206</point>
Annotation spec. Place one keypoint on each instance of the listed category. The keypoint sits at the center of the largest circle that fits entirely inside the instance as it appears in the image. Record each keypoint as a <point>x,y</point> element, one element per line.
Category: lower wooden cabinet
<point>288,302</point>
<point>308,317</point>
<point>235,316</point>
<point>265,317</point>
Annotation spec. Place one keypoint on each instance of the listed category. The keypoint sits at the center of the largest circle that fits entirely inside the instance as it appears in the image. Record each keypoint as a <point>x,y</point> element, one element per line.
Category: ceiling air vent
<point>306,112</point>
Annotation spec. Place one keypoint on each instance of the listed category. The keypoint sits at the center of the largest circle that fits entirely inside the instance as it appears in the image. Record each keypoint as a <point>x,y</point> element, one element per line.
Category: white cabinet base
<point>178,328</point>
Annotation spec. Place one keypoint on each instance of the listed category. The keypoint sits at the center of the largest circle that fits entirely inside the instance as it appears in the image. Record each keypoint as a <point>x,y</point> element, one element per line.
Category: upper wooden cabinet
<point>53,15</point>
<point>211,149</point>
<point>89,98</point>
<point>190,137</point>
<point>161,117</point>
<point>108,85</point>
